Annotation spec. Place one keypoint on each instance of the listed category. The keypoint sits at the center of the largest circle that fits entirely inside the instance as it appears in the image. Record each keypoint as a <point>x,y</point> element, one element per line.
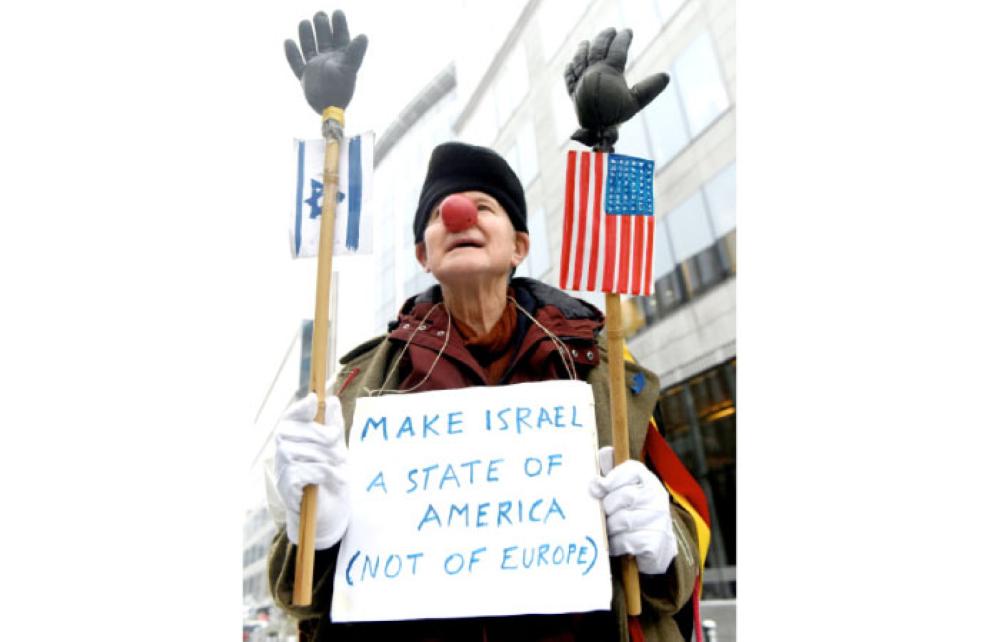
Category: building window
<point>720,193</point>
<point>693,99</point>
<point>676,427</point>
<point>527,152</point>
<point>305,357</point>
<point>699,84</point>
<point>667,125</point>
<point>702,270</point>
<point>698,419</point>
<point>481,127</point>
<point>555,20</point>
<point>667,8</point>
<point>632,139</point>
<point>388,293</point>
<point>512,85</point>
<point>563,114</point>
<point>689,228</point>
<point>695,247</point>
<point>643,18</point>
<point>693,242</point>
<point>667,293</point>
<point>523,155</point>
<point>538,261</point>
<point>633,314</point>
<point>514,160</point>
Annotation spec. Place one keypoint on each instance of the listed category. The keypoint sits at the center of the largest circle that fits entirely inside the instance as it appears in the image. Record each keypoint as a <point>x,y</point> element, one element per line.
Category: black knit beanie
<point>457,167</point>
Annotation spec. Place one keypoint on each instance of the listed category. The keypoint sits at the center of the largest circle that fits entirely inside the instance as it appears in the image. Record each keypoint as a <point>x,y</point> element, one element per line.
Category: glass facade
<point>720,193</point>
<point>699,84</point>
<point>664,117</point>
<point>695,243</point>
<point>698,419</point>
<point>694,99</point>
<point>695,247</point>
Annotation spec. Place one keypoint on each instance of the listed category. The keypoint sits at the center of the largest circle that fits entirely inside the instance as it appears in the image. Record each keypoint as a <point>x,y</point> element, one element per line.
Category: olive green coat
<point>663,595</point>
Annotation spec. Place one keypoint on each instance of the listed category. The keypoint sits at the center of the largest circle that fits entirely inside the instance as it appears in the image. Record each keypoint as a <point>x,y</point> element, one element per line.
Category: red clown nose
<point>458,213</point>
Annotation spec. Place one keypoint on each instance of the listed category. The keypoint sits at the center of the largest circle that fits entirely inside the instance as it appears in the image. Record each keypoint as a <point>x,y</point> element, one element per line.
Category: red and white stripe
<point>601,252</point>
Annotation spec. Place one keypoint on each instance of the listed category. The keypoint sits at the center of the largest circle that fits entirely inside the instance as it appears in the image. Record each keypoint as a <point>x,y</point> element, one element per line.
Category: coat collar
<point>423,321</point>
<point>530,294</point>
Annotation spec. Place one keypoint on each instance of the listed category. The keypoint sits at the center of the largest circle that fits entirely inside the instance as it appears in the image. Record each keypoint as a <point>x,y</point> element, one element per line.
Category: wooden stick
<point>333,131</point>
<point>619,429</point>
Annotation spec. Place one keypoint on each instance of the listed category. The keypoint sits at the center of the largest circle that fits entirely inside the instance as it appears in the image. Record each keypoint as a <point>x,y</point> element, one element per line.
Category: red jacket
<point>423,322</point>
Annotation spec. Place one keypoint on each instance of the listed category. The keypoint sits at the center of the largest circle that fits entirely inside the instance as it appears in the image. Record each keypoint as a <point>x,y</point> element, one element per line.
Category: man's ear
<point>521,245</point>
<point>420,249</point>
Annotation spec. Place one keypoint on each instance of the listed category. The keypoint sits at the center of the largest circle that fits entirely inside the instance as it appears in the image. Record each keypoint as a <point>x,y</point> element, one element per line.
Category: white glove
<point>637,506</point>
<point>309,453</point>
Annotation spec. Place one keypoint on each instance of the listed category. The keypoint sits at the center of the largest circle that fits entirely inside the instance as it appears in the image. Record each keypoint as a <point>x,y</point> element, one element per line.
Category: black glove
<point>328,76</point>
<point>595,80</point>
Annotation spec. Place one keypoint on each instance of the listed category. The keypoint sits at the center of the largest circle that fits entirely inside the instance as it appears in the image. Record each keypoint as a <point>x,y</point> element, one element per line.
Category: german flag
<point>660,458</point>
<point>686,491</point>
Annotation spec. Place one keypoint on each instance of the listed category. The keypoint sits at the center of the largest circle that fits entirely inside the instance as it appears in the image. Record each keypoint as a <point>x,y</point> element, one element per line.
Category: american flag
<point>608,224</point>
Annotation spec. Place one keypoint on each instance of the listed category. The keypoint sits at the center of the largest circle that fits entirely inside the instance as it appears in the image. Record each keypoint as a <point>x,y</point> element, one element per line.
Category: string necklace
<point>564,352</point>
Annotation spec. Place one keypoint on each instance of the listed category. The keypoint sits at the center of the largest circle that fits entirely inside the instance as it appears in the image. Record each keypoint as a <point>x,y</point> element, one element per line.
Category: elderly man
<point>480,326</point>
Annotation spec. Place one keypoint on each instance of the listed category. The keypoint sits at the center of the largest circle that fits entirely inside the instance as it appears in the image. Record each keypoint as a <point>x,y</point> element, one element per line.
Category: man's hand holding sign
<point>456,476</point>
<point>638,513</point>
<point>309,453</point>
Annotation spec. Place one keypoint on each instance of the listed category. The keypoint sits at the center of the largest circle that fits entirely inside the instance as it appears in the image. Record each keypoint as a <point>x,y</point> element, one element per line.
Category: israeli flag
<point>353,226</point>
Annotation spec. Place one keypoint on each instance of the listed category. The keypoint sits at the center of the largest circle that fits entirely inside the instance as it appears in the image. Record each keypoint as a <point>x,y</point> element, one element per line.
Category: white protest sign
<point>473,502</point>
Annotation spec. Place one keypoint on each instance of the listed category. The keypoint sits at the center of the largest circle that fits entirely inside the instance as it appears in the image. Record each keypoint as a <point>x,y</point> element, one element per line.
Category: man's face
<point>489,248</point>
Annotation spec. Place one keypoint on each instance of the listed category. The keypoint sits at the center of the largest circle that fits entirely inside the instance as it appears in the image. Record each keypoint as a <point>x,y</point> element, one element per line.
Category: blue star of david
<point>315,200</point>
